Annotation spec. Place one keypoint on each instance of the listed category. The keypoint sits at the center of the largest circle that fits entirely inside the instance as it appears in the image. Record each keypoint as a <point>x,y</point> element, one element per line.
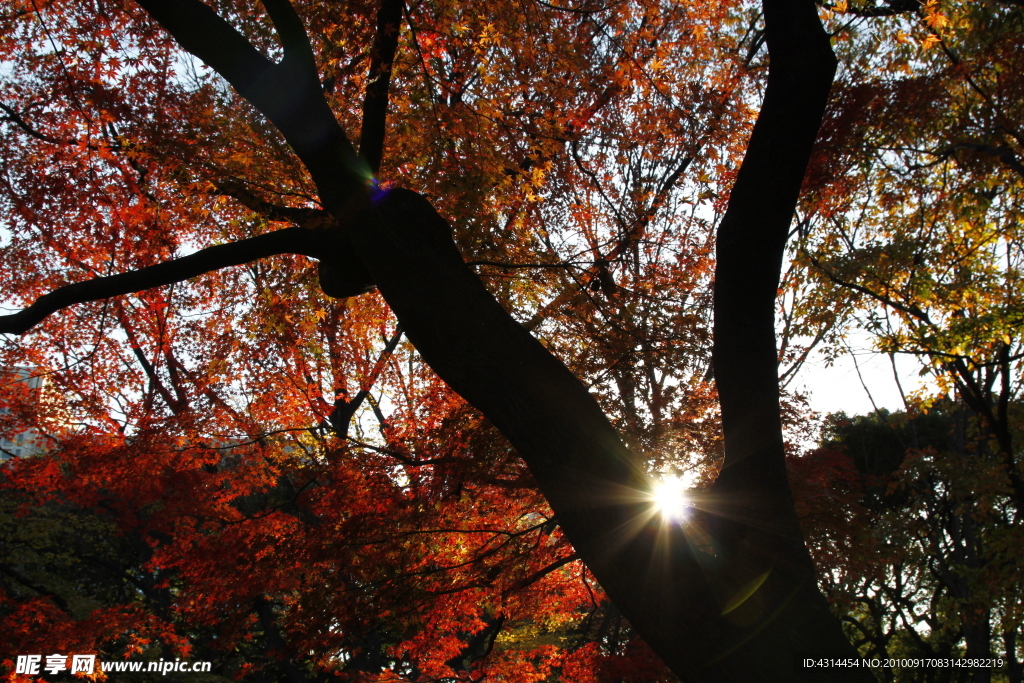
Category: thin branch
<point>512,266</point>
<point>16,119</point>
<point>892,8</point>
<point>397,455</point>
<point>150,370</point>
<point>540,574</point>
<point>287,241</point>
<point>28,583</point>
<point>1003,153</point>
<point>304,217</point>
<point>909,309</point>
<point>574,10</point>
<point>341,416</point>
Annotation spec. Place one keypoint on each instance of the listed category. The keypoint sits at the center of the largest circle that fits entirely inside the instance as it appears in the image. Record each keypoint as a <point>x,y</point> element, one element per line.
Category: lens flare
<point>670,498</point>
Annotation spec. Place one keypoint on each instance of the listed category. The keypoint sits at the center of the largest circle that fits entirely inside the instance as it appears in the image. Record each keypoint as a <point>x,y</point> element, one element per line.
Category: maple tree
<point>278,422</point>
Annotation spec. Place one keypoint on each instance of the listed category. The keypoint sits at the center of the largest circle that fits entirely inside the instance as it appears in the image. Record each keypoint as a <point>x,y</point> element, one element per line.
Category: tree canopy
<point>368,328</point>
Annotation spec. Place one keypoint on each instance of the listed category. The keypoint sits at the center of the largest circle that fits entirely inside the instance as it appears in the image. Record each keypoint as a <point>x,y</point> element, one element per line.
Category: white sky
<point>835,388</point>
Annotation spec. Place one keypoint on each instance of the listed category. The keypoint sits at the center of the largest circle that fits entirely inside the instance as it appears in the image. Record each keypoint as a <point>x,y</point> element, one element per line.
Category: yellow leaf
<point>841,6</point>
<point>937,21</point>
<point>930,41</point>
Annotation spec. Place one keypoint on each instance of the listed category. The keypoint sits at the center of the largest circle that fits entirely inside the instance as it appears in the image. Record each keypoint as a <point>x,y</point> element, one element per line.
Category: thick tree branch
<point>755,526</point>
<point>199,30</point>
<point>751,241</point>
<point>375,101</point>
<point>288,93</point>
<point>292,33</point>
<point>287,241</point>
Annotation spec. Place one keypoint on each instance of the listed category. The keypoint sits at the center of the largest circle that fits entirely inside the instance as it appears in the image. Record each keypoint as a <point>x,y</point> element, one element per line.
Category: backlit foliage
<point>266,477</point>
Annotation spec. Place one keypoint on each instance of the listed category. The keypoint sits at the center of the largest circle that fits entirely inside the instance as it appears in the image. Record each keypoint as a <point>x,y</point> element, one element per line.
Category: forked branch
<point>288,93</point>
<point>288,241</point>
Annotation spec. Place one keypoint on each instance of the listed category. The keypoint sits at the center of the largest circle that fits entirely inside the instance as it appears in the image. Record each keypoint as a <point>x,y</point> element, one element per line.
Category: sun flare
<point>671,499</point>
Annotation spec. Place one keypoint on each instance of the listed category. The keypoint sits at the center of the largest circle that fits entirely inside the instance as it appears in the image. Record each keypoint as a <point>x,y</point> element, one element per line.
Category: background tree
<point>917,231</point>
<point>915,529</point>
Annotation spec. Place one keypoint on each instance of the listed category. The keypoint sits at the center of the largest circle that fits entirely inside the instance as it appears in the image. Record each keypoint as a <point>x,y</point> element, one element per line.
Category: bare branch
<point>287,241</point>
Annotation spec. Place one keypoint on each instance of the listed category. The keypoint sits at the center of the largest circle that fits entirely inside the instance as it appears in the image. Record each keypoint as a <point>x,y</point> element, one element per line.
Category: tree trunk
<point>749,608</point>
<point>741,610</point>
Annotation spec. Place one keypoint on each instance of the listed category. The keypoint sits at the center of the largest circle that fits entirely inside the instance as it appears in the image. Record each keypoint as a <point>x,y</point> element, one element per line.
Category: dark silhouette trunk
<point>741,607</point>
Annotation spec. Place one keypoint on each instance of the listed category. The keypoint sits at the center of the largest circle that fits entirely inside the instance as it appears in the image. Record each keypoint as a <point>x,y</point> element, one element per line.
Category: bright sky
<point>835,388</point>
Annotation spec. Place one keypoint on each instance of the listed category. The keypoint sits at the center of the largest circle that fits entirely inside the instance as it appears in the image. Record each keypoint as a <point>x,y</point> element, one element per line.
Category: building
<point>29,442</point>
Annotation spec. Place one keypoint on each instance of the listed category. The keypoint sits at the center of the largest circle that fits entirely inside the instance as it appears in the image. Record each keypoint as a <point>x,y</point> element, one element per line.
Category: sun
<point>670,498</point>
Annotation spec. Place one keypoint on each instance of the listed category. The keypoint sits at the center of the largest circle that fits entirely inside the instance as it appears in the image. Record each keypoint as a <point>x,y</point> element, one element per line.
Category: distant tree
<point>911,522</point>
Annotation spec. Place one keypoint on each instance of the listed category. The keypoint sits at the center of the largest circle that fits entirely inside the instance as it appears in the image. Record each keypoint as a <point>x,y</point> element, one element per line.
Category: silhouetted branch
<point>375,101</point>
<point>15,118</point>
<point>287,241</point>
<point>540,574</point>
<point>303,217</point>
<point>574,10</point>
<point>890,9</point>
<point>288,93</point>
<point>28,583</point>
<point>909,309</point>
<point>1002,153</point>
<point>513,266</point>
<point>343,411</point>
